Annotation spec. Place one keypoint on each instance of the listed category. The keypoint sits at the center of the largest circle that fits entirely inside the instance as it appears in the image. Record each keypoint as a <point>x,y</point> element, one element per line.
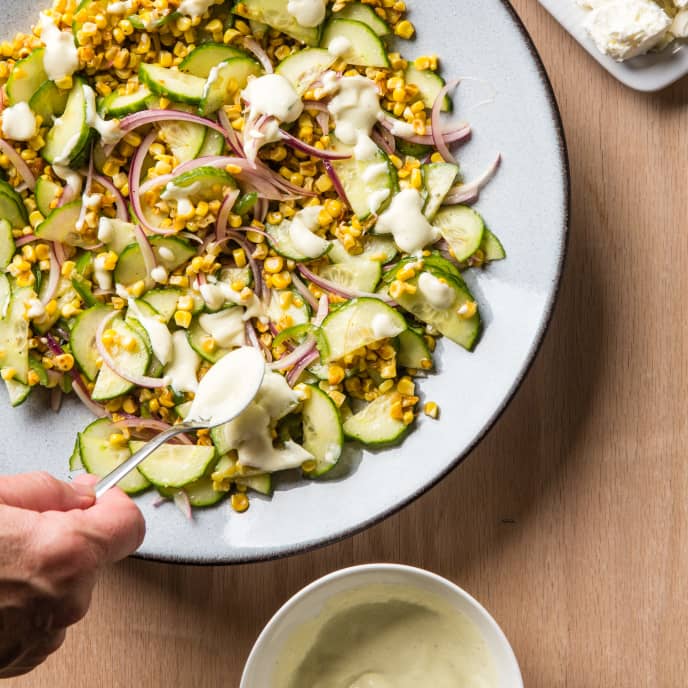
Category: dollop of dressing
<point>182,373</point>
<point>338,46</point>
<point>227,327</point>
<point>355,108</point>
<point>228,387</point>
<point>405,221</point>
<point>102,275</point>
<point>181,194</point>
<point>120,7</point>
<point>158,334</point>
<point>196,8</point>
<point>384,325</point>
<point>274,96</point>
<point>108,129</point>
<point>301,232</point>
<point>436,292</point>
<point>307,13</point>
<point>19,122</point>
<point>61,58</point>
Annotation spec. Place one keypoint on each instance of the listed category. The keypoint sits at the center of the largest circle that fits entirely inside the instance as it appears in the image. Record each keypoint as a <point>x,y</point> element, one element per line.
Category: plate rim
<point>499,411</point>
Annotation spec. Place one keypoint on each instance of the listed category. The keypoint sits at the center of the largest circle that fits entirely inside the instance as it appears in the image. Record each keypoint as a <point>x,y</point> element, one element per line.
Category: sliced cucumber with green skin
<point>262,484</point>
<point>201,60</point>
<point>235,70</point>
<point>213,144</point>
<point>352,326</point>
<point>119,104</point>
<point>462,228</point>
<point>202,492</point>
<point>122,234</point>
<point>131,267</point>
<point>46,193</point>
<point>100,457</point>
<point>26,78</point>
<point>376,247</point>
<point>358,274</point>
<point>172,84</point>
<point>415,150</point>
<point>71,133</point>
<point>7,246</point>
<point>207,182</point>
<point>463,331</point>
<point>439,262</point>
<point>14,335</point>
<point>280,240</point>
<point>37,367</point>
<point>109,385</point>
<point>365,14</point>
<point>367,50</point>
<point>231,275</point>
<point>164,301</point>
<point>246,203</point>
<point>83,339</point>
<point>374,425</point>
<point>413,350</point>
<point>429,85</point>
<point>197,337</point>
<point>75,462</point>
<point>175,465</point>
<point>60,225</point>
<point>438,178</point>
<point>12,206</point>
<point>152,24</point>
<point>184,139</point>
<point>49,102</point>
<point>275,14</point>
<point>322,431</point>
<point>17,392</point>
<point>491,246</point>
<point>358,185</point>
<point>298,314</point>
<point>304,67</point>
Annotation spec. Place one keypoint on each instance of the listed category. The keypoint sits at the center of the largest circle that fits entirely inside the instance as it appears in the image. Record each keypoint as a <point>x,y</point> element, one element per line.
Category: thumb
<point>40,491</point>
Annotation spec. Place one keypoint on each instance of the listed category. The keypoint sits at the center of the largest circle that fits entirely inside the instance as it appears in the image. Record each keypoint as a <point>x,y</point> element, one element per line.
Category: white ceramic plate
<point>526,205</point>
<point>651,72</point>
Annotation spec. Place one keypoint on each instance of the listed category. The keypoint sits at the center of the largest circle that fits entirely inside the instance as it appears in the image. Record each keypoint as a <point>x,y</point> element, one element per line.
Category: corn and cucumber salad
<point>178,179</point>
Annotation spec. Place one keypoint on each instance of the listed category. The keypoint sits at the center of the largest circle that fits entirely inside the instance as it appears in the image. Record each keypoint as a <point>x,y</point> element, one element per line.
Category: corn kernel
<point>239,502</point>
<point>335,374</point>
<point>432,410</point>
<point>129,406</point>
<point>405,386</point>
<point>68,268</point>
<point>468,310</point>
<point>182,319</point>
<point>137,288</point>
<point>426,364</point>
<point>408,417</point>
<point>404,29</point>
<point>274,264</point>
<point>64,362</point>
<point>209,345</point>
<point>117,439</point>
<point>33,378</point>
<point>309,466</point>
<point>185,303</point>
<point>282,280</point>
<point>8,374</point>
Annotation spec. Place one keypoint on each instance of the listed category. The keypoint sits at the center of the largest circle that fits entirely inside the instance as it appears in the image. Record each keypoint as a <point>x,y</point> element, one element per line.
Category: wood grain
<point>570,521</point>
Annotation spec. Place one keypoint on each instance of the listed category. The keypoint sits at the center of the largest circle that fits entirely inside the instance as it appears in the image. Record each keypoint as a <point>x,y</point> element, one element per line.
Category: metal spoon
<point>211,407</point>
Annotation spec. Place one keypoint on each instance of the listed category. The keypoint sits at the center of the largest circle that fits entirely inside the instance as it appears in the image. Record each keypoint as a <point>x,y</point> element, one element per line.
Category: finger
<point>35,655</point>
<point>116,524</point>
<point>40,491</point>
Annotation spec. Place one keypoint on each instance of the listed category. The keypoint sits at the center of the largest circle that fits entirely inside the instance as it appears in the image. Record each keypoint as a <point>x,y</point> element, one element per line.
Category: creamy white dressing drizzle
<point>166,254</point>
<point>61,58</point>
<point>213,295</point>
<point>35,309</point>
<point>365,148</point>
<point>403,129</point>
<point>196,8</point>
<point>182,372</point>
<point>19,122</point>
<point>338,46</point>
<point>108,129</point>
<point>92,201</point>
<point>301,232</point>
<point>182,195</point>
<point>121,7</point>
<point>437,293</point>
<point>377,198</point>
<point>274,96</point>
<point>384,325</point>
<point>405,221</point>
<point>227,327</point>
<point>228,387</point>
<point>308,13</point>
<point>372,172</point>
<point>102,275</point>
<point>73,179</point>
<point>158,334</point>
<point>355,108</point>
<point>159,274</point>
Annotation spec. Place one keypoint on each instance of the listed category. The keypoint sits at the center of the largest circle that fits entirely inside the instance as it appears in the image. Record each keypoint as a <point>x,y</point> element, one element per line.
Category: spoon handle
<point>112,478</point>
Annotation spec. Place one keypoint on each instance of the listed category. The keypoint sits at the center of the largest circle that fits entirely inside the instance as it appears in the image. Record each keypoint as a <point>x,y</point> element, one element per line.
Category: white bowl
<point>307,605</point>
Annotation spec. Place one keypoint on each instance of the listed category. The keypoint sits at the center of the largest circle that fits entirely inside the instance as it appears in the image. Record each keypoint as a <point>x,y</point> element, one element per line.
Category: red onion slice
<point>323,310</point>
<point>336,182</point>
<point>120,203</point>
<point>22,168</point>
<point>295,356</point>
<point>298,144</point>
<point>435,120</point>
<point>469,193</point>
<point>457,135</point>
<point>295,373</point>
<point>82,393</point>
<point>70,192</point>
<point>384,139</point>
<point>304,291</point>
<point>53,278</point>
<point>139,119</point>
<point>59,252</point>
<point>181,501</point>
<point>55,399</point>
<point>254,47</point>
<point>223,215</point>
<point>232,136</point>
<point>337,290</point>
<point>26,239</point>
<point>150,424</point>
<point>149,259</point>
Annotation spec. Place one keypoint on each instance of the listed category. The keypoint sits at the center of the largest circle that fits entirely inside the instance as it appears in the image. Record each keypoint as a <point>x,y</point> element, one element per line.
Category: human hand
<point>54,538</point>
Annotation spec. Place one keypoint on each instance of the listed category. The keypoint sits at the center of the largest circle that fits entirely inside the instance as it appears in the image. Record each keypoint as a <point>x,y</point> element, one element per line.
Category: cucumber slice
<point>214,144</point>
<point>83,340</point>
<point>304,67</point>
<point>17,392</point>
<point>217,92</point>
<point>198,337</point>
<point>366,15</point>
<point>322,431</point>
<point>258,483</point>
<point>202,492</point>
<point>281,242</point>
<point>7,246</point>
<point>75,462</point>
<point>12,206</point>
<point>359,274</point>
<point>121,234</point>
<point>359,323</point>
<point>109,385</point>
<point>172,84</point>
<point>26,78</point>
<point>65,294</point>
<point>46,193</point>
<point>275,14</point>
<point>463,331</point>
<point>119,105</point>
<point>164,301</point>
<point>438,177</point>
<point>175,465</point>
<point>201,60</point>
<point>100,457</point>
<point>438,262</point>
<point>184,139</point>
<point>131,267</point>
<point>462,228</point>
<point>60,225</point>
<point>153,22</point>
<point>413,350</point>
<point>491,247</point>
<point>241,275</point>
<point>299,315</point>
<point>71,133</point>
<point>377,247</point>
<point>208,183</point>
<point>14,335</point>
<point>429,86</point>
<point>374,425</point>
<point>362,191</point>
<point>49,102</point>
<point>366,50</point>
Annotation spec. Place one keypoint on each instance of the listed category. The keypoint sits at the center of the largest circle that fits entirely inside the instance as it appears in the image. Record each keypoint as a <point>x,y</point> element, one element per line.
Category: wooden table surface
<point>570,521</point>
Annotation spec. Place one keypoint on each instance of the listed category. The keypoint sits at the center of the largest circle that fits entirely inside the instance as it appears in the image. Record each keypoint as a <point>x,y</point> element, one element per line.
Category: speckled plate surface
<point>651,72</point>
<point>526,205</point>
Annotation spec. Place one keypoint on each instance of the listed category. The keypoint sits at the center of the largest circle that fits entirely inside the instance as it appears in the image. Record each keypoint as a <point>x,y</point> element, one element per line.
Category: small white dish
<point>308,604</point>
<point>651,72</point>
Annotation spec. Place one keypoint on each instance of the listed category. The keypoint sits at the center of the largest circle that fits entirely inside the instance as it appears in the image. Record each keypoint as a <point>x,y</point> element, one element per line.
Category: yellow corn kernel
<point>337,397</point>
<point>436,157</point>
<point>404,29</point>
<point>32,378</point>
<point>274,264</point>
<point>282,280</point>
<point>42,252</point>
<point>396,289</point>
<point>51,307</point>
<point>68,268</point>
<point>405,386</point>
<point>129,406</point>
<point>406,273</point>
<point>323,183</point>
<point>239,502</point>
<point>185,303</point>
<point>118,440</point>
<point>154,405</point>
<point>286,300</point>
<point>408,417</point>
<point>137,288</point>
<point>239,257</point>
<point>209,345</point>
<point>417,179</point>
<point>309,466</point>
<point>128,343</point>
<point>8,374</point>
<point>388,371</point>
<point>334,208</point>
<point>335,374</point>
<point>35,218</point>
<point>426,364</point>
<point>182,319</point>
<point>396,411</point>
<point>179,281</point>
<point>64,362</point>
<point>468,310</point>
